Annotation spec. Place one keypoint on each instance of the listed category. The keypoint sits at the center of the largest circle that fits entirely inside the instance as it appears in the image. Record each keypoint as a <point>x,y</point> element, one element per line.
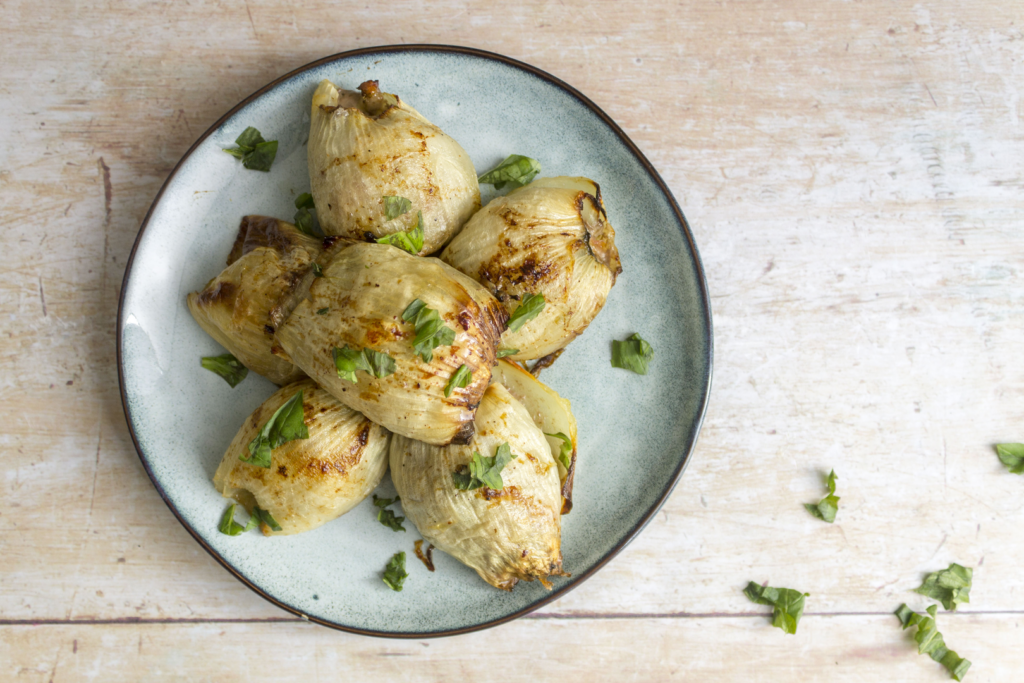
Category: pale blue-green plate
<point>636,433</point>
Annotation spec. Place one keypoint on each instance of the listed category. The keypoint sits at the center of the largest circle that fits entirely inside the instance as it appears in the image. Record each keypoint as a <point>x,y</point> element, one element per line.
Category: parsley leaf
<point>633,354</point>
<point>228,525</point>
<point>827,507</point>
<point>347,360</point>
<point>411,240</point>
<point>395,207</point>
<point>506,352</point>
<point>1012,455</point>
<point>515,171</point>
<point>484,471</point>
<point>529,308</point>
<point>286,424</point>
<point>788,604</point>
<point>387,517</point>
<point>931,642</point>
<point>394,572</point>
<point>227,366</point>
<point>459,379</point>
<point>950,586</point>
<point>256,153</point>
<point>431,331</point>
<point>565,453</point>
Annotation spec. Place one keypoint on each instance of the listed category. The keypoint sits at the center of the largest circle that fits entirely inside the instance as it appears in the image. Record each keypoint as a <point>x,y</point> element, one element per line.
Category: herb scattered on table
<point>950,586</point>
<point>826,508</point>
<point>1012,455</point>
<point>930,641</point>
<point>787,604</point>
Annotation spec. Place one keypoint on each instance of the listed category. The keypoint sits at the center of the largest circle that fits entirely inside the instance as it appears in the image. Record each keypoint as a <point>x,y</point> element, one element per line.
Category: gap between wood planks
<point>550,615</point>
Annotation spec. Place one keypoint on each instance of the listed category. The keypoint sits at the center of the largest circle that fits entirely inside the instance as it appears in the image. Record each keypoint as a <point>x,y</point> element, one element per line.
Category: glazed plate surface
<point>636,433</point>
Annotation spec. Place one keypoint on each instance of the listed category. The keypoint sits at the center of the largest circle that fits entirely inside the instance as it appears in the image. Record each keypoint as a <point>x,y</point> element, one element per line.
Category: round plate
<point>636,433</point>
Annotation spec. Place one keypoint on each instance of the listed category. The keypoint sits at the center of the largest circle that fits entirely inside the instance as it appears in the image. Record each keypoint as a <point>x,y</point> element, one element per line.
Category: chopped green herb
<point>788,604</point>
<point>323,311</point>
<point>286,424</point>
<point>515,171</point>
<point>1012,455</point>
<point>264,516</point>
<point>950,586</point>
<point>930,642</point>
<point>347,360</point>
<point>227,366</point>
<point>506,352</point>
<point>317,270</point>
<point>304,216</point>
<point>459,379</point>
<point>633,354</point>
<point>387,517</point>
<point>484,471</point>
<point>565,453</point>
<point>431,331</point>
<point>228,525</point>
<point>411,240</point>
<point>529,308</point>
<point>304,201</point>
<point>395,207</point>
<point>394,572</point>
<point>256,153</point>
<point>827,507</point>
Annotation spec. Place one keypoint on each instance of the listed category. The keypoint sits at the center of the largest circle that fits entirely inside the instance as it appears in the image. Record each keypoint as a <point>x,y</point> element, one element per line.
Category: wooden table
<point>854,175</point>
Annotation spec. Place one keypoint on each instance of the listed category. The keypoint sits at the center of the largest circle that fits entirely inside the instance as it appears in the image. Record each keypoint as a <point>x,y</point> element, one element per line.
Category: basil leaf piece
<point>394,572</point>
<point>930,640</point>
<point>787,604</point>
<point>632,354</point>
<point>565,453</point>
<point>227,366</point>
<point>303,220</point>
<point>431,331</point>
<point>388,519</point>
<point>384,502</point>
<point>304,201</point>
<point>251,524</point>
<point>459,379</point>
<point>826,508</point>
<point>395,207</point>
<point>323,311</point>
<point>236,152</point>
<point>506,352</point>
<point>286,424</point>
<point>228,525</point>
<point>411,240</point>
<point>483,471</point>
<point>264,516</point>
<point>347,360</point>
<point>317,270</point>
<point>515,171</point>
<point>1012,455</point>
<point>249,138</point>
<point>262,157</point>
<point>529,308</point>
<point>950,586</point>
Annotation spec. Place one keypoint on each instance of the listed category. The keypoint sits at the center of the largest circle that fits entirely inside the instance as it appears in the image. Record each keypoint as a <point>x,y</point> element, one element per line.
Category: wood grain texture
<point>853,175</point>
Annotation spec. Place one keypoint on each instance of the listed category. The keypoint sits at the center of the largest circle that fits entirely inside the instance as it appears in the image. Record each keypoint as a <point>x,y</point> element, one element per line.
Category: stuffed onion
<point>376,165</point>
<point>550,238</point>
<point>353,333</point>
<point>310,480</point>
<point>507,534</point>
<point>242,306</point>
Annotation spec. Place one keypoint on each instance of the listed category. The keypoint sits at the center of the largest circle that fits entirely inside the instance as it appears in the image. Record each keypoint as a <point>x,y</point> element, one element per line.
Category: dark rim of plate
<point>687,235</point>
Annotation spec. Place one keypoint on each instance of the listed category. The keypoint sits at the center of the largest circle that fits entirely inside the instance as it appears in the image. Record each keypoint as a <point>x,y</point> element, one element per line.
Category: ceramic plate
<point>636,433</point>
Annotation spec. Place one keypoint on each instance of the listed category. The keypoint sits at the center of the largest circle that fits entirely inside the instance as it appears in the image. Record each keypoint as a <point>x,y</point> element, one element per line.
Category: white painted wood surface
<point>854,175</point>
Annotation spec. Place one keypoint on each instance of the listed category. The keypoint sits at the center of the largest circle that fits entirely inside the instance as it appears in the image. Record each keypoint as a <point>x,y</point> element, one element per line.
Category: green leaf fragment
<point>304,222</point>
<point>632,354</point>
<point>394,572</point>
<point>528,309</point>
<point>395,207</point>
<point>227,366</point>
<point>431,331</point>
<point>930,640</point>
<point>787,604</point>
<point>317,270</point>
<point>506,352</point>
<point>565,452</point>
<point>387,517</point>
<point>304,201</point>
<point>459,379</point>
<point>264,516</point>
<point>484,471</point>
<point>256,153</point>
<point>249,138</point>
<point>1012,455</point>
<point>228,525</point>
<point>348,360</point>
<point>827,507</point>
<point>515,171</point>
<point>950,586</point>
<point>323,311</point>
<point>286,424</point>
<point>384,502</point>
<point>410,241</point>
